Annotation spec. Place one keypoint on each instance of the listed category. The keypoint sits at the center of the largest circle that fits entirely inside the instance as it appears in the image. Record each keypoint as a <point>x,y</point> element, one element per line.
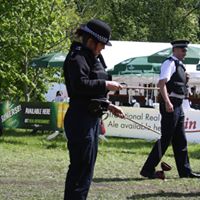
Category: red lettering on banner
<point>190,124</point>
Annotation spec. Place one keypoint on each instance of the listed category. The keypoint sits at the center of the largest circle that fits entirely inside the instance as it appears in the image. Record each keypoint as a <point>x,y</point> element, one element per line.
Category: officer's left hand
<point>113,86</point>
<point>169,106</point>
<point>187,76</point>
<point>116,110</point>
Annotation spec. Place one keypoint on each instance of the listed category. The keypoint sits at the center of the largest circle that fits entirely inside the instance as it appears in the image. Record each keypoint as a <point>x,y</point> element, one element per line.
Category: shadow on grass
<point>27,138</point>
<point>100,180</point>
<point>12,142</point>
<point>167,195</point>
<point>42,145</point>
<point>15,133</point>
<point>121,151</point>
<point>128,143</point>
<point>24,132</point>
<point>55,146</point>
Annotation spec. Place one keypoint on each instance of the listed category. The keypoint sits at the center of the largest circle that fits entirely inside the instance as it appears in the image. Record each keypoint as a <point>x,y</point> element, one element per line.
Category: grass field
<point>32,168</point>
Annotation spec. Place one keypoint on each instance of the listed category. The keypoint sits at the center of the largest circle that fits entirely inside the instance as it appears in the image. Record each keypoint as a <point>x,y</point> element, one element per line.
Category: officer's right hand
<point>113,86</point>
<point>187,77</point>
<point>116,111</point>
<point>169,107</point>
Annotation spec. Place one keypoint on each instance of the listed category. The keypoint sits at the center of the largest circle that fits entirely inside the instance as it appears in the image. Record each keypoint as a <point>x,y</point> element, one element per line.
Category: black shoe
<point>150,175</point>
<point>153,175</point>
<point>165,166</point>
<point>191,175</point>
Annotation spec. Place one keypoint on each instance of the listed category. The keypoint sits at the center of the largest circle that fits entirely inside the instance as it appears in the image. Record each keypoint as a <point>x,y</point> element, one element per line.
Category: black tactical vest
<point>177,82</point>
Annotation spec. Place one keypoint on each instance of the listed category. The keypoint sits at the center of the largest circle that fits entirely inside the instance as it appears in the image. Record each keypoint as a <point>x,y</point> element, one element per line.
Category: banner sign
<point>50,116</point>
<point>149,117</point>
<point>45,116</point>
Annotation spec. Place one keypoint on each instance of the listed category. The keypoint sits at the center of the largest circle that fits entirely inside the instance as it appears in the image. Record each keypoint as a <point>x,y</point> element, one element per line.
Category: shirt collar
<point>175,58</point>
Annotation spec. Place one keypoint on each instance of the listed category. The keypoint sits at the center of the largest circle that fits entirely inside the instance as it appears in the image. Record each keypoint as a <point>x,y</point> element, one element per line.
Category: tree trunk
<point>25,71</point>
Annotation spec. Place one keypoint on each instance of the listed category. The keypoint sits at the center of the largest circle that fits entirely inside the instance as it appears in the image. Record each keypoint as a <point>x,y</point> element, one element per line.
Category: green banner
<point>44,116</point>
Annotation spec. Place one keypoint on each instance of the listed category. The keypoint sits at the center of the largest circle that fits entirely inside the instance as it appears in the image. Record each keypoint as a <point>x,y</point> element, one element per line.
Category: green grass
<point>33,168</point>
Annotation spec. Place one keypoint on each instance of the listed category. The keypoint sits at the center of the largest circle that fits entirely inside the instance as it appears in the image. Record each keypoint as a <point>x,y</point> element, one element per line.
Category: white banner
<point>149,117</point>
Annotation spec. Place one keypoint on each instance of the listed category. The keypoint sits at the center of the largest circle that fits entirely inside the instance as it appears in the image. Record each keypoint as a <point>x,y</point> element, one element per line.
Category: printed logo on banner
<point>11,114</point>
<point>45,116</point>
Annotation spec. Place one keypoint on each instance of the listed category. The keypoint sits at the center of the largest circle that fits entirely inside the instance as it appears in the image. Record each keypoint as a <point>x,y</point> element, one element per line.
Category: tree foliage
<point>155,20</point>
<point>30,28</point>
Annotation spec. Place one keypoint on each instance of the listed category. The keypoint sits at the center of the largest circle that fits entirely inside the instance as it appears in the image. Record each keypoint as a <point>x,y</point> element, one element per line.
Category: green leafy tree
<point>141,20</point>
<point>30,28</point>
<point>168,20</point>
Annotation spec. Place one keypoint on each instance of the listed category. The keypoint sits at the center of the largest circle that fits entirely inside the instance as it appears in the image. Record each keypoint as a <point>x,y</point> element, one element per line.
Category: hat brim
<point>84,29</point>
<point>182,47</point>
<point>108,44</point>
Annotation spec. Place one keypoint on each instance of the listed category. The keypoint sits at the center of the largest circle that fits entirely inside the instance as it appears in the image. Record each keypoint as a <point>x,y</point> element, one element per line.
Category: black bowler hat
<point>99,30</point>
<point>180,43</point>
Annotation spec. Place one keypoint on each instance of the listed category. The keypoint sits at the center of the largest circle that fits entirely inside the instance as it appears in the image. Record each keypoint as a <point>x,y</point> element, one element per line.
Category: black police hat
<point>180,43</point>
<point>99,30</point>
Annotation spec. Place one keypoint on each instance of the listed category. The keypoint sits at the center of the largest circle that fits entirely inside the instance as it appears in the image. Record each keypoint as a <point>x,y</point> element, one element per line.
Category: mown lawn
<point>32,168</point>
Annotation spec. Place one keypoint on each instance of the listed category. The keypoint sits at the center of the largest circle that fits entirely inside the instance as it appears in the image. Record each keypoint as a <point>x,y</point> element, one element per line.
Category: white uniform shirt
<point>167,69</point>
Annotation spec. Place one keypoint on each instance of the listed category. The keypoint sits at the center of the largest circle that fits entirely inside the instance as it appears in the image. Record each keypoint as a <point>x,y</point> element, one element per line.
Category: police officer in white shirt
<point>173,89</point>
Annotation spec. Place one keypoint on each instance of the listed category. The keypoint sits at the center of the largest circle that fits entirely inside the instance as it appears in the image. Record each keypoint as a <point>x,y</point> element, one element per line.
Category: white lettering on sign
<point>37,111</point>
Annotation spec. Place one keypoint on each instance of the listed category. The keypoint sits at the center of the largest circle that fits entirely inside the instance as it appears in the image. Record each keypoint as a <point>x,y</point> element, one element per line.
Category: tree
<point>168,20</point>
<point>30,28</point>
<point>141,20</point>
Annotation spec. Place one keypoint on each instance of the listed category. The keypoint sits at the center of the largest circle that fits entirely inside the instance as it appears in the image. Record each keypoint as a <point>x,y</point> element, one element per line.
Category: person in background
<point>173,88</point>
<point>87,85</point>
<point>193,90</point>
<point>59,97</point>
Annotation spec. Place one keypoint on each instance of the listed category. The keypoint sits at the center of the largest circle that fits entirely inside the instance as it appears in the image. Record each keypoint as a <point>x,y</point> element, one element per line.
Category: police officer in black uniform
<point>87,84</point>
<point>173,88</point>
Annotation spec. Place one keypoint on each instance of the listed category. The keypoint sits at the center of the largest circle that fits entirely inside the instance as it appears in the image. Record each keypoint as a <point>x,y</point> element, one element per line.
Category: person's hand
<point>113,86</point>
<point>169,107</point>
<point>187,76</point>
<point>116,110</point>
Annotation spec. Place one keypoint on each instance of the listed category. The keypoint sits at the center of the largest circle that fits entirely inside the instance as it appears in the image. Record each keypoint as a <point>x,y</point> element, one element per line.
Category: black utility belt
<point>176,98</point>
<point>96,107</point>
<point>80,101</point>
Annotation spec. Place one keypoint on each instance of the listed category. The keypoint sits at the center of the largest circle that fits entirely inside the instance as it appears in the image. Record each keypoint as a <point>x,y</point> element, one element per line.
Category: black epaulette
<point>102,61</point>
<point>177,62</point>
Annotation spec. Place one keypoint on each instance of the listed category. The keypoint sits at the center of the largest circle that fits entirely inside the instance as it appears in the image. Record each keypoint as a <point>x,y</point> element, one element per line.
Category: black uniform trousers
<point>82,131</point>
<point>172,131</point>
